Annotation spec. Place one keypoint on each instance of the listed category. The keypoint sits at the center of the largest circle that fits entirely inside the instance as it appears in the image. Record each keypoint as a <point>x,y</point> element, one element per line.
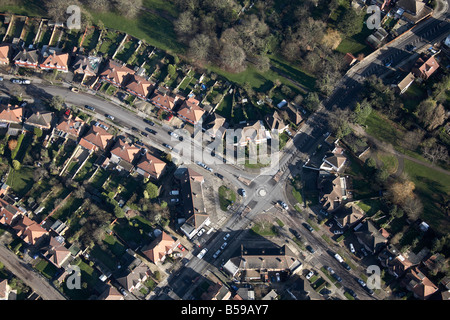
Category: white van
<point>338,258</point>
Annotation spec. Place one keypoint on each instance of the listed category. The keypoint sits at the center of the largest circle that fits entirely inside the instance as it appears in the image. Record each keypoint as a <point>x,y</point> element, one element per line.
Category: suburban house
<point>97,139</point>
<point>348,215</point>
<point>251,133</point>
<point>123,154</point>
<point>5,52</point>
<point>27,59</point>
<point>370,236</point>
<point>157,250</point>
<point>425,67</point>
<point>350,59</point>
<point>275,123</point>
<point>11,114</point>
<point>56,252</point>
<point>86,66</point>
<point>406,82</point>
<point>416,282</point>
<point>41,120</point>
<point>413,10</point>
<point>215,125</point>
<point>216,291</point>
<point>8,212</point>
<point>29,231</point>
<point>5,290</point>
<point>335,161</point>
<point>150,167</point>
<point>139,86</point>
<point>293,113</point>
<point>133,279</point>
<point>333,190</point>
<point>190,111</point>
<point>115,73</point>
<point>261,263</point>
<point>69,127</point>
<point>193,202</point>
<point>55,61</point>
<point>161,98</point>
<point>395,263</point>
<point>110,293</point>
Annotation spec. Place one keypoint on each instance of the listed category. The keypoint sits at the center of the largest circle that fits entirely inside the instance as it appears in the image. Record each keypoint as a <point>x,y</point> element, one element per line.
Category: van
<point>338,258</point>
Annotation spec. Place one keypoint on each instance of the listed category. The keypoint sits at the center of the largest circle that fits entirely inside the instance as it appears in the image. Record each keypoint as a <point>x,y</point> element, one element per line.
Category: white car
<point>223,245</point>
<point>309,275</point>
<point>226,237</point>
<point>284,205</point>
<point>352,248</point>
<point>110,117</point>
<point>202,253</point>
<point>199,234</point>
<point>174,192</point>
<point>17,81</point>
<point>26,82</point>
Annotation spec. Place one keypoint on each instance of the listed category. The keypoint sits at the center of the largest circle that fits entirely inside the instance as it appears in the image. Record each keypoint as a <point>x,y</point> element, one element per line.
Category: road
<point>30,277</point>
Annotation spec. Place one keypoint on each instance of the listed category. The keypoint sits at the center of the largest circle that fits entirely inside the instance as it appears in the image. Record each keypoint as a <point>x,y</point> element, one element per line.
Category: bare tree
<point>413,207</point>
<point>436,152</point>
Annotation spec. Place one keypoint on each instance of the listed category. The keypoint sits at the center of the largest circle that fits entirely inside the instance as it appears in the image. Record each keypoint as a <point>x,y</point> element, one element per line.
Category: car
<point>110,117</point>
<point>284,205</point>
<point>145,134</point>
<point>67,113</point>
<point>73,89</point>
<point>310,249</point>
<point>218,175</point>
<point>123,291</point>
<point>169,117</point>
<point>309,275</point>
<point>150,130</point>
<point>175,200</point>
<point>361,282</point>
<point>202,253</point>
<point>167,146</point>
<point>216,254</point>
<point>242,192</point>
<point>223,245</point>
<point>338,232</point>
<point>330,270</point>
<point>296,233</point>
<point>180,246</point>
<point>209,169</point>
<point>307,226</point>
<point>173,134</point>
<point>149,122</point>
<point>174,192</point>
<point>324,291</point>
<point>339,279</point>
<point>368,290</point>
<point>139,143</point>
<point>352,248</point>
<point>278,276</point>
<point>364,251</point>
<point>352,293</point>
<point>202,231</point>
<point>26,81</point>
<point>1,78</point>
<point>89,108</point>
<point>17,81</point>
<point>346,266</point>
<point>338,258</point>
<point>226,237</point>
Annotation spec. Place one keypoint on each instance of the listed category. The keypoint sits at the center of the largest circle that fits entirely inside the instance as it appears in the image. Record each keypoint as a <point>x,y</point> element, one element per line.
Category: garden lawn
<point>433,188</point>
<point>20,181</point>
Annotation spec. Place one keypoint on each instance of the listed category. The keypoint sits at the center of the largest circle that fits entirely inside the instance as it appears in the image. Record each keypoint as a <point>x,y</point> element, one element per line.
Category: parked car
<point>167,146</point>
<point>339,279</point>
<point>73,89</point>
<point>17,81</point>
<point>174,192</point>
<point>307,226</point>
<point>242,192</point>
<point>202,253</point>
<point>201,232</point>
<point>175,200</point>
<point>352,248</point>
<point>309,275</point>
<point>296,234</point>
<point>352,293</point>
<point>110,117</point>
<point>223,245</point>
<point>284,205</point>
<point>173,134</point>
<point>364,251</point>
<point>149,122</point>
<point>338,232</point>
<point>150,130</point>
<point>310,249</point>
<point>145,134</point>
<point>216,254</point>
<point>226,237</point>
<point>346,266</point>
<point>218,175</point>
<point>26,81</point>
<point>89,108</point>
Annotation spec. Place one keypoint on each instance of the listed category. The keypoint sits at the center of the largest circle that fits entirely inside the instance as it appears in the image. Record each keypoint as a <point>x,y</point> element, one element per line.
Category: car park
<point>89,108</point>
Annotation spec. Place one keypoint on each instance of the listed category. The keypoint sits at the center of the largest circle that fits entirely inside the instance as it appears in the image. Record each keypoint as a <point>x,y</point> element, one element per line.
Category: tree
<point>152,190</point>
<point>12,144</point>
<point>199,47</point>
<point>362,112</point>
<point>171,70</point>
<point>351,22</point>
<point>186,25</point>
<point>232,58</point>
<point>436,152</point>
<point>16,165</point>
<point>431,114</point>
<point>312,101</point>
<point>128,8</point>
<point>413,207</point>
<point>37,132</point>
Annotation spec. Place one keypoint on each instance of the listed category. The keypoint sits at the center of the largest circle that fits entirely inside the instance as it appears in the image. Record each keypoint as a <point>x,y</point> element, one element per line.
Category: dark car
<point>296,234</point>
<point>167,146</point>
<point>337,277</point>
<point>145,134</point>
<point>346,266</point>
<point>352,293</point>
<point>310,249</point>
<point>218,175</point>
<point>149,122</point>
<point>89,108</point>
<point>150,130</point>
<point>134,129</point>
